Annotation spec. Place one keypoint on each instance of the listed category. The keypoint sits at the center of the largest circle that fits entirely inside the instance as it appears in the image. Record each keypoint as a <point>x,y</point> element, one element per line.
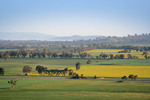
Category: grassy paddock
<point>61,88</point>
<point>66,89</point>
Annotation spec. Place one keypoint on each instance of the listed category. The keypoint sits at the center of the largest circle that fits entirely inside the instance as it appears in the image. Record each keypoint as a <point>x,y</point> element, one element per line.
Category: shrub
<point>124,78</point>
<point>81,75</point>
<point>95,77</point>
<point>1,71</point>
<point>27,69</point>
<point>132,77</point>
<point>89,62</point>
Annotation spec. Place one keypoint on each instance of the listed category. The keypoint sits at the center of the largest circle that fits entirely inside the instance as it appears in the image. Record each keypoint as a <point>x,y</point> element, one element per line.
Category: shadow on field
<point>105,64</point>
<point>114,64</point>
<point>4,88</point>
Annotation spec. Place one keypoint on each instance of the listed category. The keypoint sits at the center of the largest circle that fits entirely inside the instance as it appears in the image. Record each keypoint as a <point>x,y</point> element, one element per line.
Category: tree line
<point>99,42</point>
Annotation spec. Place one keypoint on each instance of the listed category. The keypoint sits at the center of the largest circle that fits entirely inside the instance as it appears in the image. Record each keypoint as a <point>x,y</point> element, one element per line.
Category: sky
<point>76,17</point>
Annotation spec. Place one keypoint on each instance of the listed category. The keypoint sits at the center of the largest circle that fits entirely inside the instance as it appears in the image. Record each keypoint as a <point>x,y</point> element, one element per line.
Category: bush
<point>124,78</point>
<point>1,71</point>
<point>132,77</point>
<point>95,77</point>
<point>89,62</point>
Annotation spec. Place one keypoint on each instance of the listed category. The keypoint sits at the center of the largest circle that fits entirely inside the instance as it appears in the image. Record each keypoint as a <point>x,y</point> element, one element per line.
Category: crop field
<point>103,50</point>
<point>114,71</point>
<point>96,52</point>
<point>63,88</point>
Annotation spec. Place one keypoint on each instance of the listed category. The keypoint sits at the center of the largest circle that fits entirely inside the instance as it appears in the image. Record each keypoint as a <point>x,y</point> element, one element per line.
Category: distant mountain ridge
<point>24,36</point>
<point>76,37</point>
<point>41,36</point>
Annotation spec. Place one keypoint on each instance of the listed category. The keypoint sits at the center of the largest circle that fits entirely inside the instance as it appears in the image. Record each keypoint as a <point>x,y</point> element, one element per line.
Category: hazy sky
<point>76,17</point>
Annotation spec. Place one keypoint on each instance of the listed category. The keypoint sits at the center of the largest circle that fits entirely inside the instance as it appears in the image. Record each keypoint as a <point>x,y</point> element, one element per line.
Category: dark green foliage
<point>27,69</point>
<point>132,77</point>
<point>76,76</point>
<point>124,78</point>
<point>78,65</point>
<point>83,55</point>
<point>121,56</point>
<point>81,75</point>
<point>89,62</point>
<point>111,56</point>
<point>13,83</point>
<point>1,71</point>
<point>95,77</point>
<point>104,56</point>
<point>40,69</point>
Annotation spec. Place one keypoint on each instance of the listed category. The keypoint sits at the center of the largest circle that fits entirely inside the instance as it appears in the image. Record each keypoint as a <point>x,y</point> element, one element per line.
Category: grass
<point>66,89</point>
<point>62,88</point>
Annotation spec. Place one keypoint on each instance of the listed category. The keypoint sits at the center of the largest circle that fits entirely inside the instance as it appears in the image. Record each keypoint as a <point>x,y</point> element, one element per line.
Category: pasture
<point>64,88</point>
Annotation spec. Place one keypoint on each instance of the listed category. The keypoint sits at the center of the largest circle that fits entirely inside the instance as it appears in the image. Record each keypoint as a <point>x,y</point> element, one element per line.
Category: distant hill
<point>40,36</point>
<point>76,37</point>
<point>25,36</point>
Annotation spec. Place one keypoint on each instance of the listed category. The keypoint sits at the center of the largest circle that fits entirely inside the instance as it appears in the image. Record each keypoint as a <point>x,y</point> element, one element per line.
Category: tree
<point>78,65</point>
<point>105,56</point>
<point>121,56</point>
<point>13,83</point>
<point>40,69</point>
<point>129,56</point>
<point>27,69</point>
<point>145,53</point>
<point>6,55</point>
<point>95,77</point>
<point>65,71</point>
<point>111,56</point>
<point>1,71</point>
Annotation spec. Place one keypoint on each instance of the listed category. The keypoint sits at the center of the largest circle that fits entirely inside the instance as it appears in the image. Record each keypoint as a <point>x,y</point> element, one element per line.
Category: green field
<point>64,88</point>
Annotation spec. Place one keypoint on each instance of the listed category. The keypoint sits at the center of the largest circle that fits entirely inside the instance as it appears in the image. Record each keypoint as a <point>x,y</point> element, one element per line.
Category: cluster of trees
<point>65,54</point>
<point>99,42</point>
<point>118,56</point>
<point>131,77</point>
<point>44,53</point>
<point>57,72</point>
<point>130,39</point>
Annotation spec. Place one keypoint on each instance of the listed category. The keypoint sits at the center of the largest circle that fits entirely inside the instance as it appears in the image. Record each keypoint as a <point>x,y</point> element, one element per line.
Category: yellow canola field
<point>103,50</point>
<point>115,52</point>
<point>114,71</point>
